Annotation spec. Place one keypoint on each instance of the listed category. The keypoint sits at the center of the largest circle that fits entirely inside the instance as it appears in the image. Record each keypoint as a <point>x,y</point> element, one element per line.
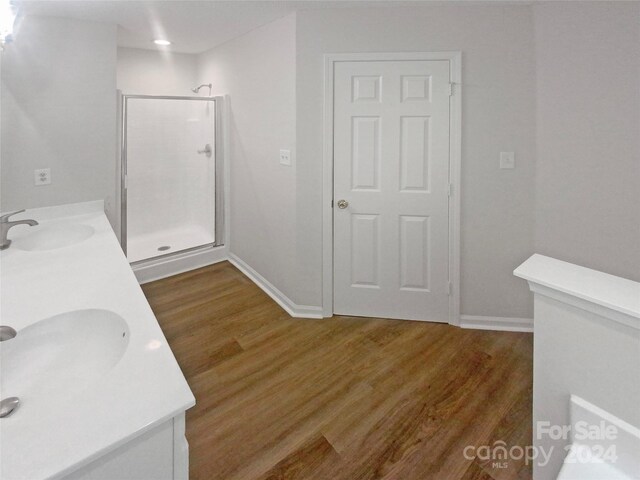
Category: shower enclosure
<point>171,179</point>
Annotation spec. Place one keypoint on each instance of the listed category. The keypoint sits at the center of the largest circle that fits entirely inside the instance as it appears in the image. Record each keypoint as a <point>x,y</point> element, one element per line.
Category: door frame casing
<point>455,159</point>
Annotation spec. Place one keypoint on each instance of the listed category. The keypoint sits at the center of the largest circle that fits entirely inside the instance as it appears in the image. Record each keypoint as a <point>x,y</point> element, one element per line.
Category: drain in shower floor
<point>163,248</point>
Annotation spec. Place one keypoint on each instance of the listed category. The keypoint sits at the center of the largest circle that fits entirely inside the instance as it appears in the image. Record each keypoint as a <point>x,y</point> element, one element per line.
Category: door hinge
<point>449,288</point>
<point>450,192</point>
<point>450,89</point>
<point>331,203</point>
<point>126,182</point>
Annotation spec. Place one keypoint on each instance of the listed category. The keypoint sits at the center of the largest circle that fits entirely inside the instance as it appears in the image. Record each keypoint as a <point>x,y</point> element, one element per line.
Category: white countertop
<point>47,438</point>
<point>614,293</point>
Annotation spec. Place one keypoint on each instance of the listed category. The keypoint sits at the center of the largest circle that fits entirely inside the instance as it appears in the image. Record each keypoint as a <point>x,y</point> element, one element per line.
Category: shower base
<point>151,245</point>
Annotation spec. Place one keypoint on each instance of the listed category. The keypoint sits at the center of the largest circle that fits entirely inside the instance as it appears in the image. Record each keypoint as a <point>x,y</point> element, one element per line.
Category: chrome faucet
<point>5,225</point>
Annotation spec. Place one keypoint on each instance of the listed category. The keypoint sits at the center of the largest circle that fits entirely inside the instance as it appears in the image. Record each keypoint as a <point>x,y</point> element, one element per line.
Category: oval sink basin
<point>62,353</point>
<point>51,237</point>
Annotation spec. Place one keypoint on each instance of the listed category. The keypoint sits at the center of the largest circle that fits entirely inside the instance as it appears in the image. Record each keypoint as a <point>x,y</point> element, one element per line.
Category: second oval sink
<point>51,237</point>
<point>62,353</point>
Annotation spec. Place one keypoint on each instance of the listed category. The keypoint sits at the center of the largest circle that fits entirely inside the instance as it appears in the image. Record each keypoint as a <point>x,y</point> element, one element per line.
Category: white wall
<point>580,118</point>
<point>258,73</point>
<point>150,72</point>
<point>588,110</point>
<point>581,353</point>
<point>59,112</point>
<point>498,115</point>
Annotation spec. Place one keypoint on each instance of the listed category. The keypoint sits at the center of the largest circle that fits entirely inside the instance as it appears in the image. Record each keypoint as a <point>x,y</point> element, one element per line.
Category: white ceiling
<point>192,26</point>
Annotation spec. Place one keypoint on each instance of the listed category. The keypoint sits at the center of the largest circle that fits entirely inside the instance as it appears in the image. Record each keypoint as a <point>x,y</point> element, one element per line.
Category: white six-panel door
<point>391,168</point>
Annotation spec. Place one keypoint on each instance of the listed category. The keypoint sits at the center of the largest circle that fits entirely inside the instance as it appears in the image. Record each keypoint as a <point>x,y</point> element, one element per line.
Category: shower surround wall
<point>171,187</point>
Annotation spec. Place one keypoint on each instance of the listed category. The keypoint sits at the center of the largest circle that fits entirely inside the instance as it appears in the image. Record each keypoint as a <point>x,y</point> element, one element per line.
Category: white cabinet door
<point>391,164</point>
<point>159,454</point>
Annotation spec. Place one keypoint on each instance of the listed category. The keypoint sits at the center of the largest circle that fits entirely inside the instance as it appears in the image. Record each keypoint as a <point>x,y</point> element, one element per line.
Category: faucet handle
<point>5,218</point>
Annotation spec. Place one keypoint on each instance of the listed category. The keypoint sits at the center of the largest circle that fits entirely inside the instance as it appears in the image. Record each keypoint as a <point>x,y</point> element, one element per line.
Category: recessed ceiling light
<point>162,42</point>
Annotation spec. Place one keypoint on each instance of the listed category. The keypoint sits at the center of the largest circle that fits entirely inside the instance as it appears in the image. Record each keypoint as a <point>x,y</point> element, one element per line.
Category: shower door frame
<point>219,233</point>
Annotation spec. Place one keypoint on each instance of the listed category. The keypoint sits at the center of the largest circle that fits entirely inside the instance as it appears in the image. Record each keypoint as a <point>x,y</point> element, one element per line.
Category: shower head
<point>197,89</point>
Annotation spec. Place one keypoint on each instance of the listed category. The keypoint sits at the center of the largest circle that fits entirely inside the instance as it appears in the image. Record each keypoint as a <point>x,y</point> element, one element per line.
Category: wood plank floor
<point>341,398</point>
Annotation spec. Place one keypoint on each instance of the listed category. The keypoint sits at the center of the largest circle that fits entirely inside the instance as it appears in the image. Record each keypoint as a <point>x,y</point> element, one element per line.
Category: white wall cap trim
<point>603,294</point>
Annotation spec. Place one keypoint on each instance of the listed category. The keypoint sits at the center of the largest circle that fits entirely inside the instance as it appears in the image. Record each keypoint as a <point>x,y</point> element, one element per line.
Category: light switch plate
<point>507,160</point>
<point>42,177</point>
<point>285,157</point>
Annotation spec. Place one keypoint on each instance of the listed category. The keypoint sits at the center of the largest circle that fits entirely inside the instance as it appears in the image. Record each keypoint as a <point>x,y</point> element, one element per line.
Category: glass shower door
<point>170,170</point>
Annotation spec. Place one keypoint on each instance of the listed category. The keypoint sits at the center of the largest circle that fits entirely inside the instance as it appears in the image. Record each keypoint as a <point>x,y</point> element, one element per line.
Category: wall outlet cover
<point>507,160</point>
<point>42,176</point>
<point>285,157</point>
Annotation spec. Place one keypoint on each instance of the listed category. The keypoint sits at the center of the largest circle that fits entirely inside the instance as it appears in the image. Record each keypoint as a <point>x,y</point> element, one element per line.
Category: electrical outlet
<point>507,160</point>
<point>285,157</point>
<point>42,176</point>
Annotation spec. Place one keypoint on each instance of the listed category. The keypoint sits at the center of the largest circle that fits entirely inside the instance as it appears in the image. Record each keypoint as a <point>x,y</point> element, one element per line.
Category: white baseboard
<point>156,269</point>
<point>163,267</point>
<point>506,324</point>
<point>293,309</point>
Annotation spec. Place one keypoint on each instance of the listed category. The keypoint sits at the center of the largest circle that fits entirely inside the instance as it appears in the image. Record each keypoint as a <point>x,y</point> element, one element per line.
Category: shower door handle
<point>207,150</point>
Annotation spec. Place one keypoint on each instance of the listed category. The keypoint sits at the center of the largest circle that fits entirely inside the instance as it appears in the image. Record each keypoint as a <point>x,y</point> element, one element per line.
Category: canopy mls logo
<point>595,441</point>
<point>499,454</point>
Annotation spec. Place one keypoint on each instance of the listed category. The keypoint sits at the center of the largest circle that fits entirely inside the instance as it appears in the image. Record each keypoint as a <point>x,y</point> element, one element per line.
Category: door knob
<point>342,204</point>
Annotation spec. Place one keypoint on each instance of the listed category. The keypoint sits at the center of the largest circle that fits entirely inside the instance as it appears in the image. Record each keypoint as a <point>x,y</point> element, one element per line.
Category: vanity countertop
<point>48,438</point>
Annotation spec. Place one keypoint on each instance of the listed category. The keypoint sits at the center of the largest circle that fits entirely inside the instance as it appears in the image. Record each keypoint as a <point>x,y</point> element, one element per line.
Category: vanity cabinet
<point>162,453</point>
